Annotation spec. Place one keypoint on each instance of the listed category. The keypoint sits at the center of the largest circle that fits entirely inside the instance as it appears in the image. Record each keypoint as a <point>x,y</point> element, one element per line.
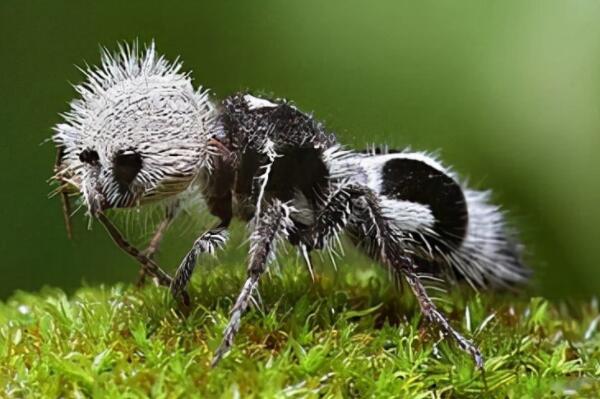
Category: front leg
<point>151,268</point>
<point>171,212</point>
<point>208,242</point>
<point>273,225</point>
<point>155,241</point>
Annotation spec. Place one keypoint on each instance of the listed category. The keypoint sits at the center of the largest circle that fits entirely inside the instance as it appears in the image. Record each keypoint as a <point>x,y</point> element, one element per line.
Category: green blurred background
<point>509,91</point>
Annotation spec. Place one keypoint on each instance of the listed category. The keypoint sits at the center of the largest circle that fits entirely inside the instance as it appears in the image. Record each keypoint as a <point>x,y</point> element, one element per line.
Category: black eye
<point>126,166</point>
<point>89,156</point>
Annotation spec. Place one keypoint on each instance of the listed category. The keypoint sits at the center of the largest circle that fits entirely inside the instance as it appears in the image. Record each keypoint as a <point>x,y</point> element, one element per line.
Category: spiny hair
<point>135,103</point>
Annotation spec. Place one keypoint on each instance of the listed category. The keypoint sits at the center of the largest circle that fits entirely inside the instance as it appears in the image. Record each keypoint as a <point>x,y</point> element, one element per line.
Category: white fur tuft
<point>137,101</point>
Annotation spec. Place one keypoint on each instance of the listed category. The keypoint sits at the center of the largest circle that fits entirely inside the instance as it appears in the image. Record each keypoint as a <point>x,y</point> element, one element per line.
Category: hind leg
<point>385,246</point>
<point>358,208</point>
<point>435,316</point>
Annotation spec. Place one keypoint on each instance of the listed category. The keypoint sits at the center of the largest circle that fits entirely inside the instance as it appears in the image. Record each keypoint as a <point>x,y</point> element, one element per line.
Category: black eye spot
<point>89,156</point>
<point>126,166</point>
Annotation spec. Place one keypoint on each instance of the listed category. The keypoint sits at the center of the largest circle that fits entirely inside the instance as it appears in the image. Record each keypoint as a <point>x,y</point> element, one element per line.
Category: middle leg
<point>273,225</point>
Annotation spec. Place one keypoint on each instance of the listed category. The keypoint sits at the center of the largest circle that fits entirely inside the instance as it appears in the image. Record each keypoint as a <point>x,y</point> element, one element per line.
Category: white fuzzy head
<point>138,132</point>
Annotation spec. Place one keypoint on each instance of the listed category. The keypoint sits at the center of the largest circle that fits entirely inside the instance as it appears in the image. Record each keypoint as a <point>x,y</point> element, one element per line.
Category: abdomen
<point>447,225</point>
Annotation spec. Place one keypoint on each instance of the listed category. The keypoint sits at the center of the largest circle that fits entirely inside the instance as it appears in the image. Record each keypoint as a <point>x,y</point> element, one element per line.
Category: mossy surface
<point>349,334</point>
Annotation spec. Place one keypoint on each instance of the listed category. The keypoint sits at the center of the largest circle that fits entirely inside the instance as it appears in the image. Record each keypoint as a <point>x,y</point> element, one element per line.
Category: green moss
<point>348,334</point>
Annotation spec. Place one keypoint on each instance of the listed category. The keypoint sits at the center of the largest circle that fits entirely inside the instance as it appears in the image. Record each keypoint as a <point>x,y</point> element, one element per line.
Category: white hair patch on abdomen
<point>408,216</point>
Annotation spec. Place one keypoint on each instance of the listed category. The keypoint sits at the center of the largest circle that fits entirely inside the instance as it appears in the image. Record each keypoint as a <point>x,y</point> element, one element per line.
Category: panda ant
<point>139,132</point>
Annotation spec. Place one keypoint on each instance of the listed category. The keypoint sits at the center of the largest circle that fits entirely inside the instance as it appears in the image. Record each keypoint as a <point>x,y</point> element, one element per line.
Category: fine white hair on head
<point>136,100</point>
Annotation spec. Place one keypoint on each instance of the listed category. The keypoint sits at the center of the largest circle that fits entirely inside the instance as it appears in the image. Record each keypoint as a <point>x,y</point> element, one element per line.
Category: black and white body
<point>141,133</point>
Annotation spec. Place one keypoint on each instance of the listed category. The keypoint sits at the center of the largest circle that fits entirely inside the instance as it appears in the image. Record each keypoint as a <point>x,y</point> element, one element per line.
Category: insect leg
<point>273,225</point>
<point>152,269</point>
<point>390,252</point>
<point>208,242</point>
<point>335,216</point>
<point>435,316</point>
<point>329,222</point>
<point>154,244</point>
<point>261,181</point>
<point>331,219</point>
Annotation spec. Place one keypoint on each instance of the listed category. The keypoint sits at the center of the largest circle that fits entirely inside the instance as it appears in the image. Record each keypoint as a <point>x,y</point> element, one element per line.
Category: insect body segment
<point>140,133</point>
